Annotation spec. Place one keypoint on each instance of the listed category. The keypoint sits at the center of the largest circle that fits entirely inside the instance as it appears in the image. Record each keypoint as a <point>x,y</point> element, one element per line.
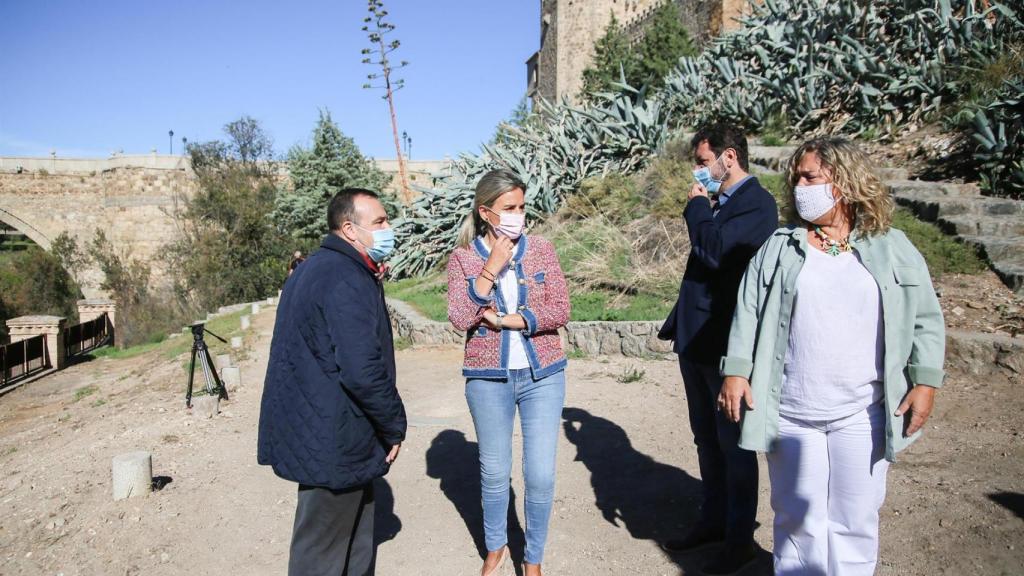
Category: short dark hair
<point>343,208</point>
<point>721,136</point>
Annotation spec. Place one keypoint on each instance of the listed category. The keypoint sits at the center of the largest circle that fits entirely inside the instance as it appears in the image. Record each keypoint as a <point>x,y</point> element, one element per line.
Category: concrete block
<point>132,474</point>
<point>222,361</point>
<point>255,307</point>
<point>236,342</point>
<point>232,377</point>
<point>205,406</point>
<point>245,322</point>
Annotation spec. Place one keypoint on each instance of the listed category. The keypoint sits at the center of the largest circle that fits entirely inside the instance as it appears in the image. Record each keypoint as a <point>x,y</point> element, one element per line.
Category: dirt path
<point>626,477</point>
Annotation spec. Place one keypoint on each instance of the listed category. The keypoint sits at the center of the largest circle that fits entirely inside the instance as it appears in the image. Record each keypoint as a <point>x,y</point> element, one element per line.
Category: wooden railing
<point>22,359</point>
<point>87,336</point>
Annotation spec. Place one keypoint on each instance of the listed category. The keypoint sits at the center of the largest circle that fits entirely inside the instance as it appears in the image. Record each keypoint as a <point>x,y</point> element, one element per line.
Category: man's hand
<point>383,270</point>
<point>919,403</point>
<point>697,190</point>
<point>735,390</point>
<point>393,453</point>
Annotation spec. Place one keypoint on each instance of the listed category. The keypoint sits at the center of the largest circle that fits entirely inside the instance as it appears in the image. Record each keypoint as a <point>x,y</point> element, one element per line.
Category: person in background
<point>506,290</point>
<point>331,418</point>
<point>295,261</point>
<point>728,216</point>
<point>835,353</point>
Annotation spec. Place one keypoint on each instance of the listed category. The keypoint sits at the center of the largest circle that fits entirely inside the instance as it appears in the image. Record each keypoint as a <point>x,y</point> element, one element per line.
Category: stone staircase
<point>995,226</point>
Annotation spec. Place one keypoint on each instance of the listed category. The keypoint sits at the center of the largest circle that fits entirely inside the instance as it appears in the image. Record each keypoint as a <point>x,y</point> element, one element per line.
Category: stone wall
<point>634,339</point>
<point>135,200</point>
<point>134,206</point>
<point>570,28</point>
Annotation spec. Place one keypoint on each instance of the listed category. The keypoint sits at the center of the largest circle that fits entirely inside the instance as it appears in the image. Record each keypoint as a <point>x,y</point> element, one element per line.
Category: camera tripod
<point>213,381</point>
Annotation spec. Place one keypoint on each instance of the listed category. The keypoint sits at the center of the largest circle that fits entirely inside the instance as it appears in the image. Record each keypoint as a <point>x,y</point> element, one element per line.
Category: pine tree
<point>663,43</point>
<point>612,58</point>
<point>318,173</point>
<point>647,62</point>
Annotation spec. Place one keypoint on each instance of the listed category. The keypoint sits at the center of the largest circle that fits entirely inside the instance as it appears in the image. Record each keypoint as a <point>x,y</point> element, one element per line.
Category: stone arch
<point>33,233</point>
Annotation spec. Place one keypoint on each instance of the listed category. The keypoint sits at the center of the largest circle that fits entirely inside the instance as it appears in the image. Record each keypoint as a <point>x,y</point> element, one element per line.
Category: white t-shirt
<point>509,284</point>
<point>836,352</point>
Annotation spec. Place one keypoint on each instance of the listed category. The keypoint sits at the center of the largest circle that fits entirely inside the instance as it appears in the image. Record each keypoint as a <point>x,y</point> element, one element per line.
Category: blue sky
<point>88,78</point>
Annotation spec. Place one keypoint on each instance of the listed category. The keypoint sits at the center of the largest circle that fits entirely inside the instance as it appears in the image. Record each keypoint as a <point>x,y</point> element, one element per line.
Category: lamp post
<point>170,139</point>
<point>408,148</point>
<point>184,145</point>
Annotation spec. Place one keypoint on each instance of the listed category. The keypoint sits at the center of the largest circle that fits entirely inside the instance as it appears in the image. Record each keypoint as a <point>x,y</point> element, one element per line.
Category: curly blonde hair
<point>851,172</point>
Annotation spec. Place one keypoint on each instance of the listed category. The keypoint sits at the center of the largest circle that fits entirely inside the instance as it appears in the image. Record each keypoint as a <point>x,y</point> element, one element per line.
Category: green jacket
<point>914,328</point>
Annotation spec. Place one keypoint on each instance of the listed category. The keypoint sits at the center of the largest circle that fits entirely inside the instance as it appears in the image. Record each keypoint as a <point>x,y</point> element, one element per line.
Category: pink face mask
<point>510,224</point>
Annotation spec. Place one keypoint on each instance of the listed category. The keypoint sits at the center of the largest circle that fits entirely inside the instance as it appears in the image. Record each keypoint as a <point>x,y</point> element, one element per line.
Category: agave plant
<point>998,131</point>
<point>552,157</point>
<point>827,66</point>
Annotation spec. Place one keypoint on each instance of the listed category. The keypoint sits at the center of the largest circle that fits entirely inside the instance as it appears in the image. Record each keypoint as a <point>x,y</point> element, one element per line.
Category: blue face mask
<point>383,243</point>
<point>703,176</point>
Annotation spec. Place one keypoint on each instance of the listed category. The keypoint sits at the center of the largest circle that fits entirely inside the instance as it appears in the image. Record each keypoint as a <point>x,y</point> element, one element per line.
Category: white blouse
<point>509,284</point>
<point>835,357</point>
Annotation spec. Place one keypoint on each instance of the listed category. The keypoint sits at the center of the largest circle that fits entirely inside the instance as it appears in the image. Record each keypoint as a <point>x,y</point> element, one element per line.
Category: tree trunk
<point>406,193</point>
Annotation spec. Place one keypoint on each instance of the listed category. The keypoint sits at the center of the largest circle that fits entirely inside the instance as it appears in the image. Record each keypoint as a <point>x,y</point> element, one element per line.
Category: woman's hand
<point>919,403</point>
<point>735,390</point>
<point>501,253</point>
<point>490,319</point>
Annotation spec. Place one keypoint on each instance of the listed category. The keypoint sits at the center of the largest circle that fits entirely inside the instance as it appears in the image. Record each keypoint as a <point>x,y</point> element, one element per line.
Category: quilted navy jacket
<point>330,408</point>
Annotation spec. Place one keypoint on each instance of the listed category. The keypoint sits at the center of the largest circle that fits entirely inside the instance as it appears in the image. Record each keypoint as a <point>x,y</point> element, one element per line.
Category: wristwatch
<point>500,316</point>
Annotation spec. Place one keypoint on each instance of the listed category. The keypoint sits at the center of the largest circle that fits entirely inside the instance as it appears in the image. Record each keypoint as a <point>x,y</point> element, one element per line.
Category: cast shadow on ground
<point>653,501</point>
<point>386,525</point>
<point>455,462</point>
<point>1012,501</point>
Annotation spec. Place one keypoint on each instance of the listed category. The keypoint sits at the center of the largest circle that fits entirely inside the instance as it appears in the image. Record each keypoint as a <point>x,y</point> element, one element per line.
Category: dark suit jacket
<point>721,248</point>
<point>330,408</point>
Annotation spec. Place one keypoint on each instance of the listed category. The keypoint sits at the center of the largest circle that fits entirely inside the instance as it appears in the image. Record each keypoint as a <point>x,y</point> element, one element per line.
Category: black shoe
<point>730,560</point>
<point>697,538</point>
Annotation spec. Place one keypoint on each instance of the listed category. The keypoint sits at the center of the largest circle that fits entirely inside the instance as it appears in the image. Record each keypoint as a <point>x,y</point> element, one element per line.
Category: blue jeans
<point>728,473</point>
<point>493,405</point>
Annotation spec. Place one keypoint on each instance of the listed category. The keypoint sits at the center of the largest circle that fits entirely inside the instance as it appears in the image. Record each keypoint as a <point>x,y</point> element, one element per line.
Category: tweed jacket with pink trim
<point>543,304</point>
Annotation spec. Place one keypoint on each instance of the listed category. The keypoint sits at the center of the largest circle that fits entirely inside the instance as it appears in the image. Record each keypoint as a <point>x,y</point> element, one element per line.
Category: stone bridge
<point>135,200</point>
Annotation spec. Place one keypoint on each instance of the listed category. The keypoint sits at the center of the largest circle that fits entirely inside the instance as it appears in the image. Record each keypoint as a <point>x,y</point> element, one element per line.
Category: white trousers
<point>828,483</point>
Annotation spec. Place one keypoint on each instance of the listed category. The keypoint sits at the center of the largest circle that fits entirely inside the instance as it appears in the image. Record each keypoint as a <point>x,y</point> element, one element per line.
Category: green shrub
<point>942,253</point>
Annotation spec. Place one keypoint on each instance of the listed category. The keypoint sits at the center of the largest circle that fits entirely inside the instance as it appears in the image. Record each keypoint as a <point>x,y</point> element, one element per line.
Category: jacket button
<point>511,263</point>
<point>778,356</point>
<point>522,307</point>
<point>783,323</point>
<point>786,290</point>
<point>522,281</point>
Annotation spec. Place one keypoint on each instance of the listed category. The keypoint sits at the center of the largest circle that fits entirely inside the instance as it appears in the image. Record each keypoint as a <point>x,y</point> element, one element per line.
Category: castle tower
<point>570,28</point>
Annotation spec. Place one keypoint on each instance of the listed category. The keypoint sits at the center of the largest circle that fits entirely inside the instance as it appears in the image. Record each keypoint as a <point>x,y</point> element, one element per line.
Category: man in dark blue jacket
<point>331,418</point>
<point>728,216</point>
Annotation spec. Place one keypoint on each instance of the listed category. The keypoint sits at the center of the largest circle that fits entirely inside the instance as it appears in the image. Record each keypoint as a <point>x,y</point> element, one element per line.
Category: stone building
<point>570,28</point>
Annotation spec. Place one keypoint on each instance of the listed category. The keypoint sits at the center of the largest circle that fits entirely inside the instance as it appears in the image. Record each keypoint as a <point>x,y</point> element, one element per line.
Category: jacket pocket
<point>539,277</point>
<point>907,275</point>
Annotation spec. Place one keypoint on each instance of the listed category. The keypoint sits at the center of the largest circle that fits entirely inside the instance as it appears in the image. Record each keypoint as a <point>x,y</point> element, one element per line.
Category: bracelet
<point>484,273</point>
<point>500,327</point>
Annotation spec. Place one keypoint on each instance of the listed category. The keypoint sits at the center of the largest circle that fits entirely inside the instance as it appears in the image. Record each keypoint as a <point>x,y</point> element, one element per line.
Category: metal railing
<point>20,360</point>
<point>87,336</point>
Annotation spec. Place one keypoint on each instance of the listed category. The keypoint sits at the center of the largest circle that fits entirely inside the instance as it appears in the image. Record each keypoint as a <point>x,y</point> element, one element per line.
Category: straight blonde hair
<point>852,173</point>
<point>490,187</point>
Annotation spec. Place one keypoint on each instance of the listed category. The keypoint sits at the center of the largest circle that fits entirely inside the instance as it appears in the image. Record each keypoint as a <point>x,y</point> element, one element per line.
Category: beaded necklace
<point>833,247</point>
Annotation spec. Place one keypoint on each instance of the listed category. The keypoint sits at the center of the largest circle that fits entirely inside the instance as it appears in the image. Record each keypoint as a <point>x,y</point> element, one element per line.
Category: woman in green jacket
<point>835,352</point>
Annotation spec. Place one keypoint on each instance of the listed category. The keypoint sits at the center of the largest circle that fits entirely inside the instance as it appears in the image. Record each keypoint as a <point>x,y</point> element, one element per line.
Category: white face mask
<point>813,202</point>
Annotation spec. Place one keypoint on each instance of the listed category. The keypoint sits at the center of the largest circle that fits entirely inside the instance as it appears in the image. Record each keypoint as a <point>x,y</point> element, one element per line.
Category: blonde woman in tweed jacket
<point>507,291</point>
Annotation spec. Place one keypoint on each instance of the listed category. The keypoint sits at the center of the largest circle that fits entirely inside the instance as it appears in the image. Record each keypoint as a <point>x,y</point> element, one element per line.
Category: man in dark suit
<point>728,216</point>
<point>331,418</point>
